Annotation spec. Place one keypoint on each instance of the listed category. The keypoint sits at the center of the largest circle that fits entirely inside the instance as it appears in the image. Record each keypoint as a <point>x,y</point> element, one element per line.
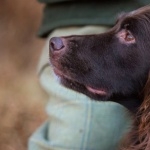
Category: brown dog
<point>114,65</point>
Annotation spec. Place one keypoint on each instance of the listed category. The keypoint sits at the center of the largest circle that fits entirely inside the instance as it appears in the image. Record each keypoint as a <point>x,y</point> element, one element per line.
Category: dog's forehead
<point>139,14</point>
<point>140,11</point>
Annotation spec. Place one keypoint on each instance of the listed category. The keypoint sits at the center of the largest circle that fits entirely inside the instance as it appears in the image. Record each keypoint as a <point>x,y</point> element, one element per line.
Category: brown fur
<point>139,137</point>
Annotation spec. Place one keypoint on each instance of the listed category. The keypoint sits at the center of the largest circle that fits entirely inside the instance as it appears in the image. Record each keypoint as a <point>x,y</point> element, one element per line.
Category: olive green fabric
<point>76,122</point>
<point>62,13</point>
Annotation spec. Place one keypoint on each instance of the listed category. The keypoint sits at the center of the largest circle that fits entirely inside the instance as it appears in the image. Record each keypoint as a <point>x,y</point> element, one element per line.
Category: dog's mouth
<point>100,91</point>
<point>72,82</point>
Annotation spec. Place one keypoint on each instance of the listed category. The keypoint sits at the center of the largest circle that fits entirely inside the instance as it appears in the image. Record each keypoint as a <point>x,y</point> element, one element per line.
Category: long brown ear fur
<point>139,138</point>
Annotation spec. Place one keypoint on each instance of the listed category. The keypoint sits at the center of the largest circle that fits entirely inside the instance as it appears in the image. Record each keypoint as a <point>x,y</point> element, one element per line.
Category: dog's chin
<point>67,81</point>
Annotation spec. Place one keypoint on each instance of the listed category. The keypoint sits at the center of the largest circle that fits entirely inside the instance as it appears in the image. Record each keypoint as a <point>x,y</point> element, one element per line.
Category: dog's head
<point>113,63</point>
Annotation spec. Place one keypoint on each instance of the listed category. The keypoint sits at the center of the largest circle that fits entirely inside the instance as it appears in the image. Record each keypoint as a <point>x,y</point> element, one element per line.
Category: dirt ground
<point>22,100</point>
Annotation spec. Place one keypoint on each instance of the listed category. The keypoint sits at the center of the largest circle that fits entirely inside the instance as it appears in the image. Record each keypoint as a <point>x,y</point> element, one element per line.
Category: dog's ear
<point>146,89</point>
<point>144,117</point>
<point>139,137</point>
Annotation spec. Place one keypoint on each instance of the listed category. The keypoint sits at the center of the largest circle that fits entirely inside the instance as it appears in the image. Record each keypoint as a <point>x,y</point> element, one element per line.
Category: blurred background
<point>22,100</point>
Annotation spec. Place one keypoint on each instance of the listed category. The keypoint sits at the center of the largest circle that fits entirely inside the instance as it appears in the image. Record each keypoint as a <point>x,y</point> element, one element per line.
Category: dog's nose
<point>56,44</point>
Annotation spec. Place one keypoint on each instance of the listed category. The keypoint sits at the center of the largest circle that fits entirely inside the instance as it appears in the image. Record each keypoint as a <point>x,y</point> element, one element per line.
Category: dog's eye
<point>129,37</point>
<point>126,36</point>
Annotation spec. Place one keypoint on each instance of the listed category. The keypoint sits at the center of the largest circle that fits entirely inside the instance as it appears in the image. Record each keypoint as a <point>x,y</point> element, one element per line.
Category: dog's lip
<point>99,91</point>
<point>60,73</point>
<point>57,72</point>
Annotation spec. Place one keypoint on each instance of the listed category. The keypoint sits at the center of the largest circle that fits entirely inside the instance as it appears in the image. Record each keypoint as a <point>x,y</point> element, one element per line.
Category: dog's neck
<point>131,103</point>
